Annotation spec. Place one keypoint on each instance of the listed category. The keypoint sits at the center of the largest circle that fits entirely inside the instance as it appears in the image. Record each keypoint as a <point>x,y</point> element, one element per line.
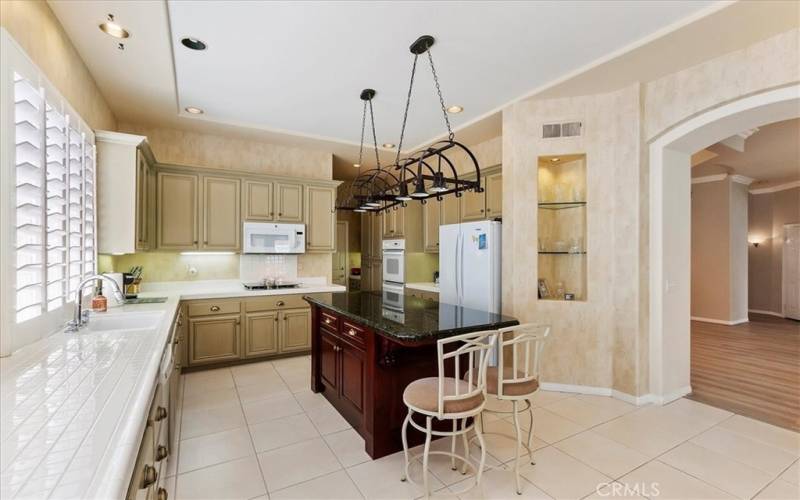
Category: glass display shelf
<point>561,205</point>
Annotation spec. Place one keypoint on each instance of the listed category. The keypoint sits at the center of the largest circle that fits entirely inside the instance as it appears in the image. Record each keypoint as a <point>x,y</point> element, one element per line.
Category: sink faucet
<point>80,317</point>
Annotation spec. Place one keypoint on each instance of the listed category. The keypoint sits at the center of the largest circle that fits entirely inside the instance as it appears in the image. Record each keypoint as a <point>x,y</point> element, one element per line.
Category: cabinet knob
<point>161,453</point>
<point>280,303</point>
<point>149,476</point>
<point>481,210</point>
<point>161,413</point>
<point>351,332</point>
<point>162,494</point>
<point>195,242</point>
<point>327,321</point>
<point>214,308</point>
<point>280,214</point>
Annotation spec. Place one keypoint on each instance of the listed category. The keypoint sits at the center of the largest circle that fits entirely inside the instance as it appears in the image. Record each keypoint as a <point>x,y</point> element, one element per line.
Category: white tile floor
<point>257,431</point>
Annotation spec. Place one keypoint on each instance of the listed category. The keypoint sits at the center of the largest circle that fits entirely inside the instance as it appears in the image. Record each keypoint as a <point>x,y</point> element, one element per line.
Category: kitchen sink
<point>123,321</point>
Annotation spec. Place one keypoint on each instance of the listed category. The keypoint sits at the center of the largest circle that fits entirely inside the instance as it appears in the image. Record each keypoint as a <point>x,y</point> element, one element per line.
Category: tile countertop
<point>423,321</point>
<point>73,406</point>
<point>425,287</point>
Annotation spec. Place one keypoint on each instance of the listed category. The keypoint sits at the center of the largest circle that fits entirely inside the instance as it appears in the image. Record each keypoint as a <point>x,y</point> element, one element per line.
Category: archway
<point>670,229</point>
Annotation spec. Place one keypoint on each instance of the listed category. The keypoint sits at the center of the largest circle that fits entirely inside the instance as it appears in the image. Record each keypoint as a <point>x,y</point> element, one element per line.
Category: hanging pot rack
<point>425,173</point>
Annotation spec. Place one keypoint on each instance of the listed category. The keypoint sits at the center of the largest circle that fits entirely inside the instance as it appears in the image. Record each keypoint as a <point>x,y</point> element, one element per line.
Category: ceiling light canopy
<point>388,145</point>
<point>193,43</point>
<point>429,171</point>
<point>193,110</point>
<point>111,27</point>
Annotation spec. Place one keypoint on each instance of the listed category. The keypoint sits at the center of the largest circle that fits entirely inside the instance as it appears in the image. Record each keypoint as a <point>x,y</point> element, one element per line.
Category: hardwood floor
<point>752,369</point>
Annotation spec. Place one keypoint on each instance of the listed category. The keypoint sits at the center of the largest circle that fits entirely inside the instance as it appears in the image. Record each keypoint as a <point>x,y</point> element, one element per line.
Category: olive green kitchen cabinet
<point>288,202</point>
<point>221,214</point>
<point>321,219</point>
<point>214,339</point>
<point>258,201</point>
<point>177,211</point>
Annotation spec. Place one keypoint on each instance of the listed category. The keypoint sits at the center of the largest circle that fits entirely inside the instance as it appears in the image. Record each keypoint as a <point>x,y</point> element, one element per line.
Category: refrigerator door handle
<point>456,269</point>
<point>461,271</point>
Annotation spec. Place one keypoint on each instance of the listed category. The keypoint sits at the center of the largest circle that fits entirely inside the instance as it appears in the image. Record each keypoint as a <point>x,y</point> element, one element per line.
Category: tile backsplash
<point>258,267</point>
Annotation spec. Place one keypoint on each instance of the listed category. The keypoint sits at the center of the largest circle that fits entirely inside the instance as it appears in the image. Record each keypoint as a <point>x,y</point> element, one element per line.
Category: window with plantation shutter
<point>48,218</point>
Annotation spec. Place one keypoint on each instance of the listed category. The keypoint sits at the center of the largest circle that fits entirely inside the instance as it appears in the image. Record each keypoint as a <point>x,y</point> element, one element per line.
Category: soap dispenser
<point>99,301</point>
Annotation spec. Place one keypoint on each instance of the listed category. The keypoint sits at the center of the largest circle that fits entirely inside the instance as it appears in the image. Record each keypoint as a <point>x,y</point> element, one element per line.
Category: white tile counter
<point>73,406</point>
<point>425,287</point>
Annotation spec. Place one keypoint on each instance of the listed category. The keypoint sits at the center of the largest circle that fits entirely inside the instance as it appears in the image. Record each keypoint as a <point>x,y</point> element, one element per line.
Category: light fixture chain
<point>363,122</point>
<point>450,133</point>
<point>405,113</point>
<point>374,135</point>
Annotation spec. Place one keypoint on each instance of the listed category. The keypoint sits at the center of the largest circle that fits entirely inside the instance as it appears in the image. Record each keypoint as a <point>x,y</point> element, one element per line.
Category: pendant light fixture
<point>380,189</point>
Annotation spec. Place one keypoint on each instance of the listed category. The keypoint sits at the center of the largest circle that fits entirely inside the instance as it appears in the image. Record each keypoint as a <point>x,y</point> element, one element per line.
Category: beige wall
<point>585,334</point>
<point>768,212</point>
<point>34,26</point>
<point>184,147</point>
<point>719,250</point>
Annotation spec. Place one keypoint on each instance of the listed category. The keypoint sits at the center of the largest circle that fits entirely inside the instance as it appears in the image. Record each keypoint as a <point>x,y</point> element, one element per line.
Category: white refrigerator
<point>469,265</point>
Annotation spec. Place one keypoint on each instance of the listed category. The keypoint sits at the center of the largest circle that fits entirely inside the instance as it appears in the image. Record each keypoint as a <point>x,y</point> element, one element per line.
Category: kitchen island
<point>364,354</point>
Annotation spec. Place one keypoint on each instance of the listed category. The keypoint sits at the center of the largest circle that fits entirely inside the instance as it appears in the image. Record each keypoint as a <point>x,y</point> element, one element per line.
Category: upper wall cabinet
<point>493,183</point>
<point>258,201</point>
<point>126,193</point>
<point>431,217</point>
<point>221,216</point>
<point>321,219</point>
<point>177,211</point>
<point>289,202</point>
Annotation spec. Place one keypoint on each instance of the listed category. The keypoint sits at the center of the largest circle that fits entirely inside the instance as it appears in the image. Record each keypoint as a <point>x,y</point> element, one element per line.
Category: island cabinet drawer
<point>353,333</point>
<point>207,308</point>
<point>329,321</point>
<point>273,302</point>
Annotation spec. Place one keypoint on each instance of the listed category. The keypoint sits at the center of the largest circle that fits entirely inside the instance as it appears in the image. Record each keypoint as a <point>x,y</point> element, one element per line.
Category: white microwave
<point>268,237</point>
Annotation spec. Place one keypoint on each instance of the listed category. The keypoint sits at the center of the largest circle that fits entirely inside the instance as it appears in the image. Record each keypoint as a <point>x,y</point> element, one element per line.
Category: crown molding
<point>775,189</point>
<point>709,178</point>
<point>742,179</point>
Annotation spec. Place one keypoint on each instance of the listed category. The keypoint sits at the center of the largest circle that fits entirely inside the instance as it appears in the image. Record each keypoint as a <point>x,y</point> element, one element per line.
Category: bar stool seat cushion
<point>423,394</point>
<point>509,388</point>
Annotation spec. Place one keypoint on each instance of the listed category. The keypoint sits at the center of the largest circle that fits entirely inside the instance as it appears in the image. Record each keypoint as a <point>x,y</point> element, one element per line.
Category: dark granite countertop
<point>421,321</point>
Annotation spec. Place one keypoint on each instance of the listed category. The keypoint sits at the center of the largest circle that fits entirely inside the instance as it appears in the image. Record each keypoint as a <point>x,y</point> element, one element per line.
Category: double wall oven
<point>394,277</point>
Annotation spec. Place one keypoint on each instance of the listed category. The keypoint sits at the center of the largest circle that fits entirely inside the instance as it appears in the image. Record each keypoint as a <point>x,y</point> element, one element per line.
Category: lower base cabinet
<point>343,371</point>
<point>229,330</point>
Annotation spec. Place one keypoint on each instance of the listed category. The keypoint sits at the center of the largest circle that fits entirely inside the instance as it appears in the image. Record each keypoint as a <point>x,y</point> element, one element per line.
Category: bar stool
<point>451,398</point>
<point>523,345</point>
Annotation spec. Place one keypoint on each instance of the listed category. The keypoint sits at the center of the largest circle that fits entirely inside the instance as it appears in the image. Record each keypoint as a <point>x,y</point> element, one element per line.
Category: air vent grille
<point>566,129</point>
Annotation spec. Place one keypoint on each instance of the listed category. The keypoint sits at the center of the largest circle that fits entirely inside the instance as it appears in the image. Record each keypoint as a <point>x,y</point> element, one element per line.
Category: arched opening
<point>670,226</point>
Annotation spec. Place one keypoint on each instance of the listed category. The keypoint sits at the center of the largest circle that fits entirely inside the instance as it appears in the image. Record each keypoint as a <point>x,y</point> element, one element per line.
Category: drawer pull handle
<point>161,413</point>
<point>327,321</point>
<point>351,332</point>
<point>162,494</point>
<point>214,308</point>
<point>161,453</point>
<point>149,476</point>
<point>280,303</point>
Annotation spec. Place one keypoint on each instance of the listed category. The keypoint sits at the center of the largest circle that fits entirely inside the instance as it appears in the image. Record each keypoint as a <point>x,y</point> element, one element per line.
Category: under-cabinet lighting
<point>207,253</point>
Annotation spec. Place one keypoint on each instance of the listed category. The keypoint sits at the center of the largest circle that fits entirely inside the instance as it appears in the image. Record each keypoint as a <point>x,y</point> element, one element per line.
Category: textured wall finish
<point>34,26</point>
<point>594,342</point>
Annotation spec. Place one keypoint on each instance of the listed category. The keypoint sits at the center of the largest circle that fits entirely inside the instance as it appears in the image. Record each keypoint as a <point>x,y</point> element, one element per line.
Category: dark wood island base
<point>363,369</point>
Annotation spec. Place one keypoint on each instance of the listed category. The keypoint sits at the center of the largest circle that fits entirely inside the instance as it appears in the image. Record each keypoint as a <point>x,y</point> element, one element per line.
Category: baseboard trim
<point>769,313</point>
<point>720,321</point>
<point>642,400</point>
<point>683,391</point>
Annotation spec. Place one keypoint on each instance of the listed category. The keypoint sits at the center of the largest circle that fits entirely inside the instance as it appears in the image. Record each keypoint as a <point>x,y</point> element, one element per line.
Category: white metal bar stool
<point>516,378</point>
<point>451,398</point>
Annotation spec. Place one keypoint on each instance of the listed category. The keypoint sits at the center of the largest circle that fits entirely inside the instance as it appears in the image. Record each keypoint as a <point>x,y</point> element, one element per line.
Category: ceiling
<point>290,72</point>
<point>771,154</point>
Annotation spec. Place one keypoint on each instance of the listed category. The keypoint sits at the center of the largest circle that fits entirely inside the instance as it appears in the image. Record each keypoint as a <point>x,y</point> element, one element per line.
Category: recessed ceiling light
<point>193,43</point>
<point>193,110</point>
<point>555,160</point>
<point>110,27</point>
<point>455,109</point>
<point>357,165</point>
<point>388,145</point>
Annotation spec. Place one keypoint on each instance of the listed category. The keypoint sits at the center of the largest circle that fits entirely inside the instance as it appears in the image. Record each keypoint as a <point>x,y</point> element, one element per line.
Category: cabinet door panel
<point>494,195</point>
<point>321,219</point>
<point>431,218</point>
<point>329,360</point>
<point>376,236</point>
<point>261,334</point>
<point>213,339</point>
<point>289,199</point>
<point>258,201</point>
<point>295,330</point>
<point>221,213</point>
<point>142,220</point>
<point>451,210</point>
<point>352,382</point>
<point>177,211</point>
<point>366,238</point>
<point>473,206</point>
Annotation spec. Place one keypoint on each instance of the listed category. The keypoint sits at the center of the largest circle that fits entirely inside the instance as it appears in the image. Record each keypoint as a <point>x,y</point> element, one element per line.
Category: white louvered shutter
<point>56,254</point>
